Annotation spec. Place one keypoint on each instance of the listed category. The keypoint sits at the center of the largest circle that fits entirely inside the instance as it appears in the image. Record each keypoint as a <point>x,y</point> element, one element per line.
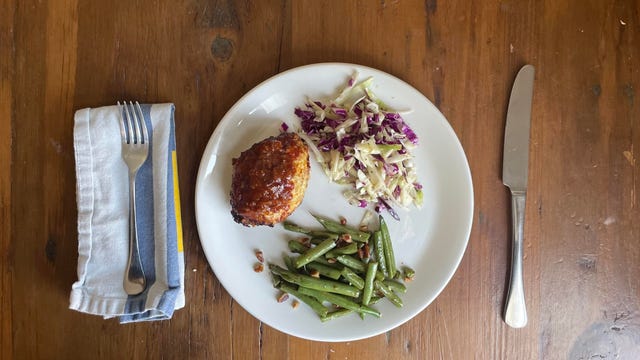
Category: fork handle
<point>134,279</point>
<point>515,310</point>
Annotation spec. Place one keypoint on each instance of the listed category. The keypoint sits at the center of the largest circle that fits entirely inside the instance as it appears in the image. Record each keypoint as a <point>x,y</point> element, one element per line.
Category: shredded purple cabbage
<point>396,191</point>
<point>389,209</point>
<point>340,112</point>
<point>410,134</point>
<point>386,138</point>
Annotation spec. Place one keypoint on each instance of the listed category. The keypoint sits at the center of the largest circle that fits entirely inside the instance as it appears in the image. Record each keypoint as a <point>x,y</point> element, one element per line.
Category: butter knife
<point>515,162</point>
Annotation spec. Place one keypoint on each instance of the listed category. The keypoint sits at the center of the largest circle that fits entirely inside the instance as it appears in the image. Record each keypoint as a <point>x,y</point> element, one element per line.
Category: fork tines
<point>133,128</point>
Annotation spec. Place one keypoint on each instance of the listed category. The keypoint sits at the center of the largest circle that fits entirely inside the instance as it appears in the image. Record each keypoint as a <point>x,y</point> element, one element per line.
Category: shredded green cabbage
<point>359,141</point>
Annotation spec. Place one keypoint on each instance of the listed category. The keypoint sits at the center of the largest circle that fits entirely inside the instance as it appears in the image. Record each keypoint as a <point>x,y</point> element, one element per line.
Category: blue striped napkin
<point>103,208</point>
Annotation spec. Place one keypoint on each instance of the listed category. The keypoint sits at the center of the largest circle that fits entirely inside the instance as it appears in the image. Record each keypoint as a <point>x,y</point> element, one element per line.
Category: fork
<point>135,149</point>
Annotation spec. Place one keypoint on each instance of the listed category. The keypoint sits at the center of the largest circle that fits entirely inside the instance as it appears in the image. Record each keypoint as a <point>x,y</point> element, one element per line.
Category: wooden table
<point>582,248</point>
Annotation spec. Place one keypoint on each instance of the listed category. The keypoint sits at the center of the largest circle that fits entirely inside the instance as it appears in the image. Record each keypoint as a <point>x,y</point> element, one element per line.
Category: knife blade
<point>515,163</point>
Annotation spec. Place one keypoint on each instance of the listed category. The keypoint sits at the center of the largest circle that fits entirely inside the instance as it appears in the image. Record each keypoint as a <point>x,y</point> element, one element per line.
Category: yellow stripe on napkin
<point>176,200</point>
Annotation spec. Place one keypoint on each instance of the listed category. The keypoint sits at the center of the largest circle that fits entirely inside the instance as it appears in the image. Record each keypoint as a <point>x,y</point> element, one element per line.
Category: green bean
<point>372,268</point>
<point>374,299</point>
<point>342,312</point>
<point>336,227</point>
<point>362,282</point>
<point>352,278</point>
<point>288,225</point>
<point>389,257</point>
<point>276,280</point>
<point>372,245</point>
<point>344,250</point>
<point>379,250</point>
<point>314,304</point>
<point>296,247</point>
<point>372,248</point>
<point>319,236</point>
<point>339,301</point>
<point>388,293</point>
<point>323,261</point>
<point>305,281</point>
<point>352,262</point>
<point>288,261</point>
<point>295,228</point>
<point>395,286</point>
<point>325,270</point>
<point>336,314</point>
<point>314,253</point>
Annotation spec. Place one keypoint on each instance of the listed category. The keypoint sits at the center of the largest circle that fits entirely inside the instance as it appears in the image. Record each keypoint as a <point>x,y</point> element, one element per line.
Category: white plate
<point>432,240</point>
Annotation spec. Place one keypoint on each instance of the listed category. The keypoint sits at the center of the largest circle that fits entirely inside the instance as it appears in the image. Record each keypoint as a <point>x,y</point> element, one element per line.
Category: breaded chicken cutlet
<point>269,180</point>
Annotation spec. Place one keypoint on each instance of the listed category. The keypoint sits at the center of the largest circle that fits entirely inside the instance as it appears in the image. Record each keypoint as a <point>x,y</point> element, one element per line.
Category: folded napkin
<point>103,218</point>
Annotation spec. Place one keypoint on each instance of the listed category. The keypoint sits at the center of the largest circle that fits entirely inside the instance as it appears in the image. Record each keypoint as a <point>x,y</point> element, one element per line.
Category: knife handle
<point>515,310</point>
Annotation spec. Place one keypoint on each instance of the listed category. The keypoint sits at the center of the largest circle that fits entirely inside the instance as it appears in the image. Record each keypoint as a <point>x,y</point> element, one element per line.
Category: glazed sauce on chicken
<point>269,180</point>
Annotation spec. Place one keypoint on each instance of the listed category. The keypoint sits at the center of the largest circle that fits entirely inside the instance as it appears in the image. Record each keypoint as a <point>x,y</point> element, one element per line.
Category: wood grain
<point>581,233</point>
<point>7,69</point>
<point>587,211</point>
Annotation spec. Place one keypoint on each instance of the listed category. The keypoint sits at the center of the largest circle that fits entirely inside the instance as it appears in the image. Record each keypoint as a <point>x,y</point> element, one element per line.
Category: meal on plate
<point>269,180</point>
<point>341,270</point>
<point>360,142</point>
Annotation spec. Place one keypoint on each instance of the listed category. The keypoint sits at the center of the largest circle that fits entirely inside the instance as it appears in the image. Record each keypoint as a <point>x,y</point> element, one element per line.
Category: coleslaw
<point>360,142</point>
